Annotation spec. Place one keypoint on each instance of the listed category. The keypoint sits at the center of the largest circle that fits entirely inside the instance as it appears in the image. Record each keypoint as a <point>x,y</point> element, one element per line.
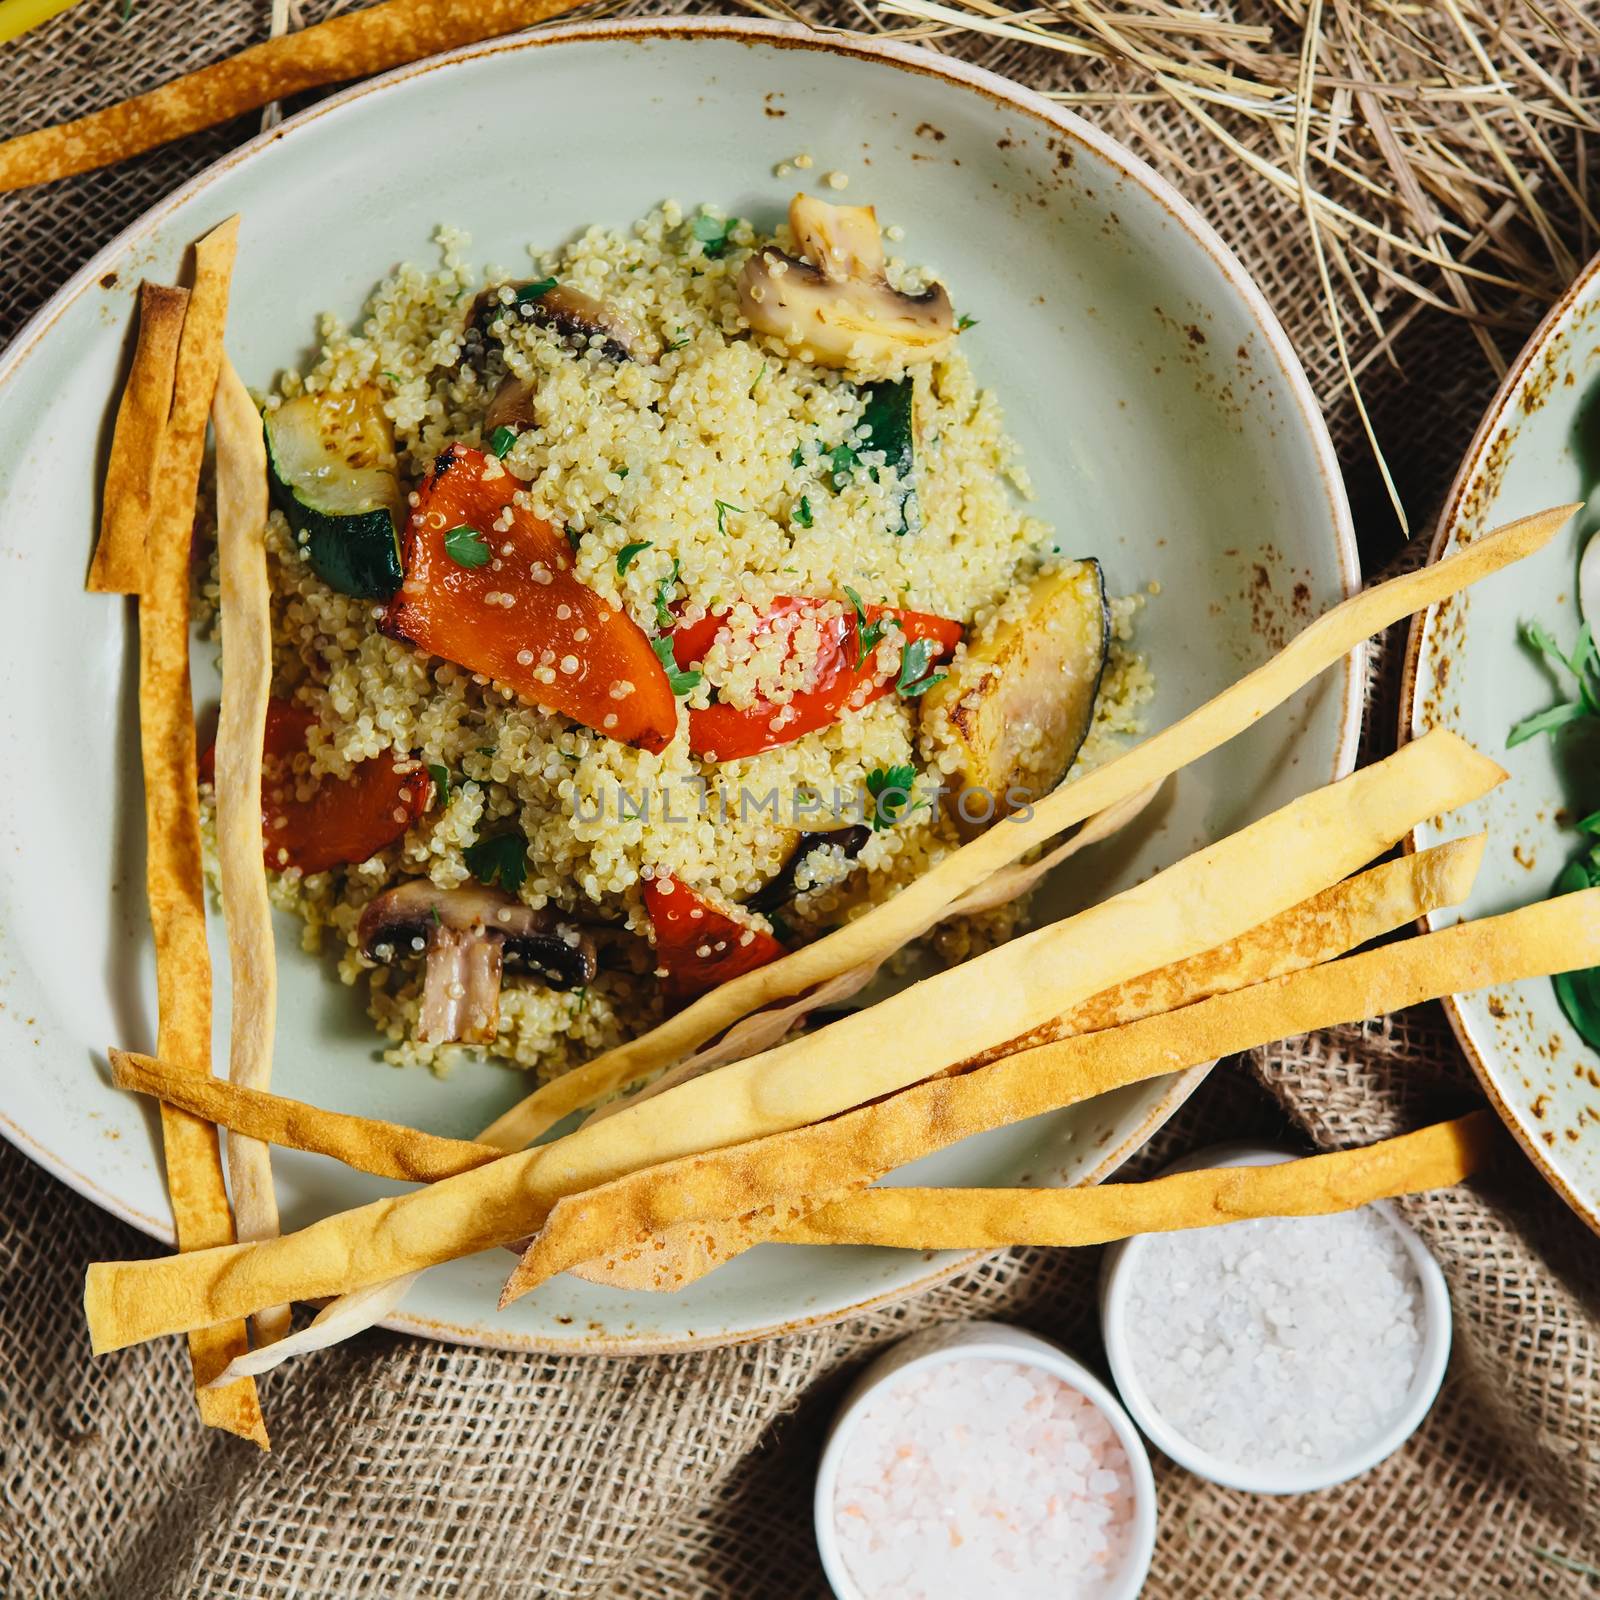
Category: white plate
<point>1166,422</point>
<point>1538,445</point>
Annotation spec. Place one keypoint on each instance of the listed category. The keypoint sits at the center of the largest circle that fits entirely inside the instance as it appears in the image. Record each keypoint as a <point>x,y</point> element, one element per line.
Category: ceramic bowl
<point>1468,669</point>
<point>1166,423</point>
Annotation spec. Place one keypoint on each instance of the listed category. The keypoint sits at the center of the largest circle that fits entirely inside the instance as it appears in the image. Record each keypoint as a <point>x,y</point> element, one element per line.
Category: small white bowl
<point>963,1341</point>
<point>1121,1267</point>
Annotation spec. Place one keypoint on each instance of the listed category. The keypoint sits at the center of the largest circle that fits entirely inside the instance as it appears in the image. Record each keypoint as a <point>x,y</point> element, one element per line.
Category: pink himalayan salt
<point>968,1474</point>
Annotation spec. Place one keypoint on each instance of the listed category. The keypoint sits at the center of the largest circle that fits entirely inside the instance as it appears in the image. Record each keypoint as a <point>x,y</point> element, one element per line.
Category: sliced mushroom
<point>576,316</point>
<point>848,842</point>
<point>468,936</point>
<point>836,304</point>
<point>1021,703</point>
<point>511,406</point>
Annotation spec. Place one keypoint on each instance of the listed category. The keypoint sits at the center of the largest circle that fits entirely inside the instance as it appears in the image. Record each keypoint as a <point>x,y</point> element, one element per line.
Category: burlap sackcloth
<point>405,1468</point>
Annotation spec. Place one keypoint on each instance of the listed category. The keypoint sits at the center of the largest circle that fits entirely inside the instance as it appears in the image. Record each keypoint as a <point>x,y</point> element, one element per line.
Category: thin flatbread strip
<point>173,872</point>
<point>129,1301</point>
<point>354,45</point>
<point>1313,841</point>
<point>126,508</point>
<point>388,1149</point>
<point>886,927</point>
<point>1313,1186</point>
<point>1360,908</point>
<point>864,1144</point>
<point>1329,924</point>
<point>246,607</point>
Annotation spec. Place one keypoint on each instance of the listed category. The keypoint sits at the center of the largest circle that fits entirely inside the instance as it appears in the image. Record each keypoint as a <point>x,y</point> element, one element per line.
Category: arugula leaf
<point>535,291</point>
<point>441,783</point>
<point>1583,663</point>
<point>723,508</point>
<point>890,788</point>
<point>502,860</point>
<point>626,554</point>
<point>914,676</point>
<point>867,633</point>
<point>466,548</point>
<point>678,680</point>
<point>1591,823</point>
<point>501,441</point>
<point>1546,722</point>
<point>665,620</point>
<point>714,234</point>
<point>802,513</point>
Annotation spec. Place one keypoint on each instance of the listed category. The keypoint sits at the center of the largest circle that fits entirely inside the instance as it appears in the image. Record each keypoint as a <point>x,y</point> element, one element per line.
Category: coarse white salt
<point>1281,1344</point>
<point>983,1477</point>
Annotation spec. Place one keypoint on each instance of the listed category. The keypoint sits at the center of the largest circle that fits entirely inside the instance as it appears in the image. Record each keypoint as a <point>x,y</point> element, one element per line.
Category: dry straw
<point>1436,154</point>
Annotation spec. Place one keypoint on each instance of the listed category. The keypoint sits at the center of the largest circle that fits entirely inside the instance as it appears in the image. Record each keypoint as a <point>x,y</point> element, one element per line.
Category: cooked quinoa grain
<point>712,473</point>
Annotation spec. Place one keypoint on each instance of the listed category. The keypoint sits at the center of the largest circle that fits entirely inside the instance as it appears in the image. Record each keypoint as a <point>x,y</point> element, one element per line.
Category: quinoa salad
<point>645,611</point>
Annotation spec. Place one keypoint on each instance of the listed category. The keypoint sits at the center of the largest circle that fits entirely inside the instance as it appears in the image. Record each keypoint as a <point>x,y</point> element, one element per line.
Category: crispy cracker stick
<point>506,1199</point>
<point>386,1148</point>
<point>1314,1186</point>
<point>625,1215</point>
<point>886,927</point>
<point>1360,908</point>
<point>351,46</point>
<point>241,730</point>
<point>119,557</point>
<point>173,871</point>
<point>1329,924</point>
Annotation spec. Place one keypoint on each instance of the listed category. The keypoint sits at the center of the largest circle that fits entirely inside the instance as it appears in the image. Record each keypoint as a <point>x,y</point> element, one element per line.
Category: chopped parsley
<point>679,680</point>
<point>751,392</point>
<point>501,441</point>
<point>680,341</point>
<point>867,633</point>
<point>890,789</point>
<point>843,463</point>
<point>723,508</point>
<point>802,513</point>
<point>438,921</point>
<point>502,860</point>
<point>914,676</point>
<point>963,322</point>
<point>798,458</point>
<point>714,234</point>
<point>393,377</point>
<point>574,536</point>
<point>622,472</point>
<point>626,554</point>
<point>665,620</point>
<point>535,291</point>
<point>441,783</point>
<point>1584,666</point>
<point>466,548</point>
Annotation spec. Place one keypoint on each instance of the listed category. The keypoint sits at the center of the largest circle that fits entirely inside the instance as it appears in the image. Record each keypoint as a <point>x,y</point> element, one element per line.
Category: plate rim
<point>1584,286</point>
<point>1001,91</point>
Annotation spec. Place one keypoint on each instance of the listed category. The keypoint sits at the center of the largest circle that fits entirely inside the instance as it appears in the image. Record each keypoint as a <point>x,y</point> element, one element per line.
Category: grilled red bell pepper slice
<point>347,819</point>
<point>725,732</point>
<point>699,945</point>
<point>511,608</point>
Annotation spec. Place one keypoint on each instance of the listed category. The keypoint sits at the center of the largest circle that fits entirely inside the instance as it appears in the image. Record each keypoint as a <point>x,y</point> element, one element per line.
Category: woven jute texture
<point>403,1468</point>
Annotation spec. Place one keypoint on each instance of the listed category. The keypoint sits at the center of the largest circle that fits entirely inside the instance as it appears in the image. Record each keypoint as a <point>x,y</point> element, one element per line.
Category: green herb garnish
<point>714,234</point>
<point>502,860</point>
<point>750,393</point>
<point>626,554</point>
<point>441,783</point>
<point>393,377</point>
<point>723,508</point>
<point>466,548</point>
<point>622,472</point>
<point>867,633</point>
<point>665,620</point>
<point>844,462</point>
<point>802,513</point>
<point>798,458</point>
<point>438,921</point>
<point>680,341</point>
<point>1583,664</point>
<point>679,680</point>
<point>535,291</point>
<point>574,536</point>
<point>501,441</point>
<point>890,788</point>
<point>914,676</point>
<point>963,322</point>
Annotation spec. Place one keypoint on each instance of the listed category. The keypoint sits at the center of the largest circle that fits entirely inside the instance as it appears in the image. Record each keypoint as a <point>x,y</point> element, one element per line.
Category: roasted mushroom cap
<point>837,307</point>
<point>468,936</point>
<point>576,316</point>
<point>845,844</point>
<point>511,405</point>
